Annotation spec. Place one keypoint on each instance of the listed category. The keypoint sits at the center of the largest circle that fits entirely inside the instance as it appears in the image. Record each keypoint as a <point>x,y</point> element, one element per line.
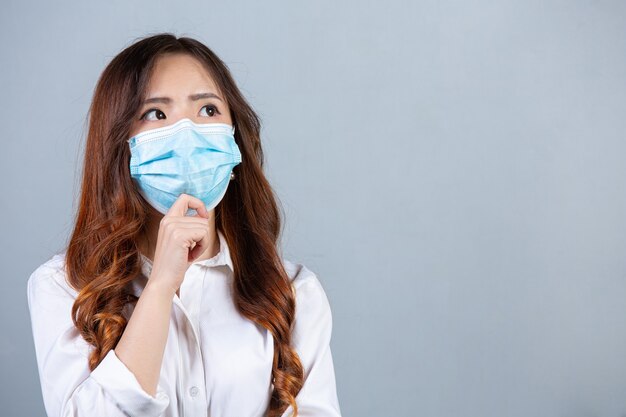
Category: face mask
<point>185,157</point>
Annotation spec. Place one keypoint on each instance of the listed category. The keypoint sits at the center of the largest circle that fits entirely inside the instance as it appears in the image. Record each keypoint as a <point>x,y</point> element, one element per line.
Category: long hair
<point>102,257</point>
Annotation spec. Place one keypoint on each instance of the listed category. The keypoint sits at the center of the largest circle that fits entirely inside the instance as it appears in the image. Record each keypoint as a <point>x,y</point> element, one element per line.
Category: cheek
<point>135,128</point>
<point>141,126</point>
<point>228,116</point>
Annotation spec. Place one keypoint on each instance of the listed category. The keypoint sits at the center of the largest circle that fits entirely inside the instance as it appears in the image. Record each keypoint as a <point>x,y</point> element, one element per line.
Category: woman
<point>171,298</point>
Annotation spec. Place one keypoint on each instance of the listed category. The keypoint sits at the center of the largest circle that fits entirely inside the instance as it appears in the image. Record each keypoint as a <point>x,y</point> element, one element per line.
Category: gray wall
<point>452,170</point>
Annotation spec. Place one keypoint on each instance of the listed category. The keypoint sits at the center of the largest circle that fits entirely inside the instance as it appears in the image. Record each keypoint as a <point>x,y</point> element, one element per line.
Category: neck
<point>148,238</point>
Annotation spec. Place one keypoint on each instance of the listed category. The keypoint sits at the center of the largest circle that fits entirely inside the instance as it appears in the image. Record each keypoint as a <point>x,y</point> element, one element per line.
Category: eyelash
<point>143,116</point>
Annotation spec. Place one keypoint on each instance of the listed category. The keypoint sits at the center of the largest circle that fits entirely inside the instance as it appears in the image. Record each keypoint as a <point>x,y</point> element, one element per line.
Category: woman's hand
<point>181,239</point>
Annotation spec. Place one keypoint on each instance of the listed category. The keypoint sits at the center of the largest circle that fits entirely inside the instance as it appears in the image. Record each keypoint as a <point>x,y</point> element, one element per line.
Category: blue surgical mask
<point>185,157</point>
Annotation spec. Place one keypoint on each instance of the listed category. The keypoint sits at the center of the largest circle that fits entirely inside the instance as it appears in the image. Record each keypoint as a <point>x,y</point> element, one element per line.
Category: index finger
<point>185,202</point>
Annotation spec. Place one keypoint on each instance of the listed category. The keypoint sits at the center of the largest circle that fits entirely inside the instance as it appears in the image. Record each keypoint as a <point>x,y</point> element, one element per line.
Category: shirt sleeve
<point>69,388</point>
<point>311,338</point>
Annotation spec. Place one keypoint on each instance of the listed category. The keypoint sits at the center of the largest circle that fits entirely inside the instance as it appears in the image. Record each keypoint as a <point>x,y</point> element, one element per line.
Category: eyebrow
<point>192,97</point>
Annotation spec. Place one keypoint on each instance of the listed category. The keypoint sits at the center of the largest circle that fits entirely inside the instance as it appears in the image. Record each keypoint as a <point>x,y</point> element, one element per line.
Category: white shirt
<point>216,362</point>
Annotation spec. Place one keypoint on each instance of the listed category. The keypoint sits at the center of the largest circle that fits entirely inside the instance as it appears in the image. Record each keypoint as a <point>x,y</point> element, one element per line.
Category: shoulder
<point>50,278</point>
<point>302,278</point>
<point>313,320</point>
<point>310,294</point>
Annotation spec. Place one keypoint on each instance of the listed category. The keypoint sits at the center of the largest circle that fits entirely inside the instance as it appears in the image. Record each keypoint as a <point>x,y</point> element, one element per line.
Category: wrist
<point>159,288</point>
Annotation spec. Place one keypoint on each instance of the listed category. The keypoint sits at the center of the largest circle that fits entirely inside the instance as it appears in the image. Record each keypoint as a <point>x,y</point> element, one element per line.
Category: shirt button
<point>193,391</point>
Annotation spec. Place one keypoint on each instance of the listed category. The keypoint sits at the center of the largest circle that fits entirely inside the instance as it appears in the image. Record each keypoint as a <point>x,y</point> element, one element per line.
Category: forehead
<point>179,74</point>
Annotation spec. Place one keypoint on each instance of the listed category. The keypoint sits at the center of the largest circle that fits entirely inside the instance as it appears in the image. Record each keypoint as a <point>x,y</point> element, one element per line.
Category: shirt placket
<point>192,379</point>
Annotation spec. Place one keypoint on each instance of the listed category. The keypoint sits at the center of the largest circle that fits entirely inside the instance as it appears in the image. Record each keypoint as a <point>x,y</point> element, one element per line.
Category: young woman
<point>171,298</point>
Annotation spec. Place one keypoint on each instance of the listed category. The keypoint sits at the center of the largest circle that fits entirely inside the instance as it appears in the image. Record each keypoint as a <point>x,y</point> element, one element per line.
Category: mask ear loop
<point>232,174</point>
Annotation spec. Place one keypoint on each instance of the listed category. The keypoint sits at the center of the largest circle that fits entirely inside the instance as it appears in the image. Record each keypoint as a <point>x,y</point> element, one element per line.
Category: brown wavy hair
<point>102,257</point>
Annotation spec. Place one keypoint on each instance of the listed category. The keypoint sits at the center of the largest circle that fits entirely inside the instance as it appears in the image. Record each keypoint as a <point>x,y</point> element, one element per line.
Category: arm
<point>180,239</point>
<point>143,341</point>
<point>69,388</point>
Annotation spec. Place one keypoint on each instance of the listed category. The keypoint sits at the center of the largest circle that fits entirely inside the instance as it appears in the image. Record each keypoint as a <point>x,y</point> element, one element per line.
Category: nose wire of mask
<point>185,157</point>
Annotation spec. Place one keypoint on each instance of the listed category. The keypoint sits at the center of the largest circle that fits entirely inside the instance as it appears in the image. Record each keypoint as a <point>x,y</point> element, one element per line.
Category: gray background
<point>452,171</point>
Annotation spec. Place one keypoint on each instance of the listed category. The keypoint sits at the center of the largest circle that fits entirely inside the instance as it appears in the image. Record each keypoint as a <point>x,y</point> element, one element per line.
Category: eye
<point>153,114</point>
<point>209,110</point>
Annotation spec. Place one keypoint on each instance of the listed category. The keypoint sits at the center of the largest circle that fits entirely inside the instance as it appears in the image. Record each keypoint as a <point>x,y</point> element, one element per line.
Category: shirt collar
<point>222,257</point>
